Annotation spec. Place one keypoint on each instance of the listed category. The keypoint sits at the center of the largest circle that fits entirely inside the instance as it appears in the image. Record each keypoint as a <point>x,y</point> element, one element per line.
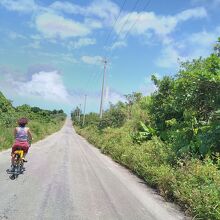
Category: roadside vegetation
<point>42,122</point>
<point>171,139</point>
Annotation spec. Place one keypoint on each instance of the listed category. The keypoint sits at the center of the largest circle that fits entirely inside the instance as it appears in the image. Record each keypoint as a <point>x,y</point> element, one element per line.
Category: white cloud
<point>13,35</point>
<point>118,44</point>
<point>147,22</point>
<point>169,57</point>
<point>205,38</point>
<point>68,58</point>
<point>210,3</point>
<point>45,85</point>
<point>34,44</point>
<point>148,86</point>
<point>104,9</point>
<point>67,7</point>
<point>93,23</point>
<point>94,60</point>
<point>113,97</point>
<point>36,37</point>
<point>52,25</point>
<point>194,46</point>
<point>198,12</point>
<point>19,5</point>
<point>57,57</point>
<point>82,42</point>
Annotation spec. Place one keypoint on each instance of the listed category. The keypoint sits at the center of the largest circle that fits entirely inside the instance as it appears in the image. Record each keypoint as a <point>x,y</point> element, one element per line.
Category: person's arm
<point>30,135</point>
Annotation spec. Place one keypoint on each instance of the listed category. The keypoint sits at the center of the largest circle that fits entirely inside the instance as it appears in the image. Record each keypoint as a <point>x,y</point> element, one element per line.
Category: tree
<point>183,106</point>
<point>75,114</point>
<point>217,47</point>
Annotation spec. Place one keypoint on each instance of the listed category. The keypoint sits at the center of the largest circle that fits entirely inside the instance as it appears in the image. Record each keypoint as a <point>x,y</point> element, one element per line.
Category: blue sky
<point>51,51</point>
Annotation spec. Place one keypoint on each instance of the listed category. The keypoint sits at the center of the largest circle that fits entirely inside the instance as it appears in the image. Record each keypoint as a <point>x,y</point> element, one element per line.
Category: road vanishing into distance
<point>67,178</point>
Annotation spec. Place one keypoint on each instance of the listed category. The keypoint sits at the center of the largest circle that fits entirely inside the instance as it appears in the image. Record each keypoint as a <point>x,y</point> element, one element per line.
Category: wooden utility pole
<point>79,115</point>
<point>103,87</point>
<point>84,114</point>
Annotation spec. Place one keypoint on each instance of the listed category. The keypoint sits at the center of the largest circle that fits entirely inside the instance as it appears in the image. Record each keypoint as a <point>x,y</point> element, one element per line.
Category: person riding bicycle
<point>23,137</point>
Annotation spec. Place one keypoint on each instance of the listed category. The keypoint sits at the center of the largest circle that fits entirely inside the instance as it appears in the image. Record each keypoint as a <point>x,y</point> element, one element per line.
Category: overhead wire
<point>108,36</point>
<point>127,20</point>
<point>116,20</point>
<point>96,76</point>
<point>123,24</point>
<point>131,27</point>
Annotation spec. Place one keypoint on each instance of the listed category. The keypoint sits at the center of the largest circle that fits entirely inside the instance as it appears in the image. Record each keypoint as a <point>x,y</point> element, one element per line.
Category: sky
<point>52,52</point>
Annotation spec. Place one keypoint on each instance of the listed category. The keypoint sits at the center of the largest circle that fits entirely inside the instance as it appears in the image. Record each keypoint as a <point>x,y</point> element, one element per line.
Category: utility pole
<point>79,115</point>
<point>103,87</point>
<point>84,115</point>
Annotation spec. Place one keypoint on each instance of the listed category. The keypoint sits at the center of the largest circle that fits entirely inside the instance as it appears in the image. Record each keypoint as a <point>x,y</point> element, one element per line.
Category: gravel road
<point>66,178</point>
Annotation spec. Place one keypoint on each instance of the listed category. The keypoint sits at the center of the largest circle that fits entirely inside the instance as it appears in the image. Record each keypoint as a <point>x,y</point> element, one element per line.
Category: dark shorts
<point>20,146</point>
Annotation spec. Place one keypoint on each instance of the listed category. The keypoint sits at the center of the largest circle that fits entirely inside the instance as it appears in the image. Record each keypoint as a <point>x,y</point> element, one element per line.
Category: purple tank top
<point>21,134</point>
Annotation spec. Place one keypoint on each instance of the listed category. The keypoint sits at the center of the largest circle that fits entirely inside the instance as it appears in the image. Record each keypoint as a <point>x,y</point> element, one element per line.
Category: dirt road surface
<point>66,178</point>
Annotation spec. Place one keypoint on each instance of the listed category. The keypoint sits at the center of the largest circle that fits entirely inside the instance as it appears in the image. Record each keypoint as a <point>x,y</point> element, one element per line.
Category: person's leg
<point>25,149</point>
<point>13,158</point>
<point>14,148</point>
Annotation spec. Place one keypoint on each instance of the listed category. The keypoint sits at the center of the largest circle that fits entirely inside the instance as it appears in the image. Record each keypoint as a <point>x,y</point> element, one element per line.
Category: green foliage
<point>42,122</point>
<point>114,117</point>
<point>182,107</point>
<point>144,133</point>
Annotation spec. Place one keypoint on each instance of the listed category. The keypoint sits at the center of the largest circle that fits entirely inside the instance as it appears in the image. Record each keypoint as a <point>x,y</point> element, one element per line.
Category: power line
<point>131,27</point>
<point>128,17</point>
<point>107,38</point>
<point>105,61</point>
<point>116,20</point>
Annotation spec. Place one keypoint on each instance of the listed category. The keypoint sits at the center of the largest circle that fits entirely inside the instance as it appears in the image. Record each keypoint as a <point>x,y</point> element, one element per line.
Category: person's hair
<point>22,122</point>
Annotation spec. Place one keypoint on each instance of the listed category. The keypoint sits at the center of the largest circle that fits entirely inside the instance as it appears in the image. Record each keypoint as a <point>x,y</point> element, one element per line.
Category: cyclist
<point>23,137</point>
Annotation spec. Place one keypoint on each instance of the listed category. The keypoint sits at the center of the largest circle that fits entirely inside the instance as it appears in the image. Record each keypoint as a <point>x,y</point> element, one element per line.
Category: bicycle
<point>18,166</point>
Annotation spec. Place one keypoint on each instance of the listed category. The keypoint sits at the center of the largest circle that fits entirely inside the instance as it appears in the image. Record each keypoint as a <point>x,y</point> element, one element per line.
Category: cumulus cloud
<point>82,42</point>
<point>34,45</point>
<point>19,5</point>
<point>55,58</point>
<point>196,45</point>
<point>205,38</point>
<point>112,96</point>
<point>118,44</point>
<point>13,35</point>
<point>210,3</point>
<point>104,9</point>
<point>93,60</point>
<point>54,21</point>
<point>148,87</point>
<point>158,24</point>
<point>53,25</point>
<point>44,85</point>
<point>169,57</point>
